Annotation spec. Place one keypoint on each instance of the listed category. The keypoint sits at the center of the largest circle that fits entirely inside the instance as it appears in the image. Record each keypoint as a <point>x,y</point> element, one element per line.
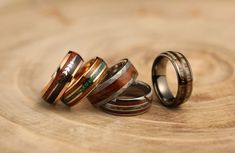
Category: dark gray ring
<point>184,76</point>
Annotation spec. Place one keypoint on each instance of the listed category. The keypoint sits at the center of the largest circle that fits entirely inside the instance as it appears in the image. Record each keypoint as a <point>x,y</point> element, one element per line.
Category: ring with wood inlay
<point>62,78</point>
<point>136,100</point>
<point>119,78</point>
<point>88,77</point>
<point>184,76</point>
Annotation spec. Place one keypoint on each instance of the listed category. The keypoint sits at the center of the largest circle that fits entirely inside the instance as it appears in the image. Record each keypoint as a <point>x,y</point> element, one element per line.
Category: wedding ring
<point>87,79</point>
<point>119,78</point>
<point>184,76</point>
<point>135,100</point>
<point>62,78</point>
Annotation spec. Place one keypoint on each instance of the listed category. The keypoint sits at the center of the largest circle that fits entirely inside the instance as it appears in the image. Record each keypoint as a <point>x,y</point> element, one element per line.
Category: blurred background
<point>36,34</point>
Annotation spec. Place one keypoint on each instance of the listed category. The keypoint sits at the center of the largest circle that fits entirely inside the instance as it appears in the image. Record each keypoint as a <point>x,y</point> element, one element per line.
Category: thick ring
<point>119,78</point>
<point>184,75</point>
<point>62,78</point>
<point>88,77</point>
<point>136,100</point>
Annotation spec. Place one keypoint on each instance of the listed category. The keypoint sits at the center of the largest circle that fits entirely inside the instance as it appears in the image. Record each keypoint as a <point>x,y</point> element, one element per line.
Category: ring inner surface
<point>134,91</point>
<point>114,69</point>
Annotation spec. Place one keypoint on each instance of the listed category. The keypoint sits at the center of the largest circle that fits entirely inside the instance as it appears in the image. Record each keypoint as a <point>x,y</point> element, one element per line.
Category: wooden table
<point>35,35</point>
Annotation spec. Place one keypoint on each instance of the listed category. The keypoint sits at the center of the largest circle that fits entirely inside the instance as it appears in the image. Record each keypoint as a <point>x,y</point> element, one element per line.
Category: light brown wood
<point>35,35</point>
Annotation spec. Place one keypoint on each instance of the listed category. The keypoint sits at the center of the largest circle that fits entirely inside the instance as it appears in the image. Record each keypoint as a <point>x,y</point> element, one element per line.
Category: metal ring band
<point>119,78</point>
<point>88,77</point>
<point>136,100</point>
<point>184,75</point>
<point>62,78</point>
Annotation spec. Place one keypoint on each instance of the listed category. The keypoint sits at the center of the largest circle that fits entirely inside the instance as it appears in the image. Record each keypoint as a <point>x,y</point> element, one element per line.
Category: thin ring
<point>90,75</point>
<point>120,77</point>
<point>184,76</point>
<point>136,100</point>
<point>62,78</point>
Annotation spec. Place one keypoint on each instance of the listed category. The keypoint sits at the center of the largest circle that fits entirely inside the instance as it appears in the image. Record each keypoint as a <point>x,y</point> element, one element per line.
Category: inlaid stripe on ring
<point>62,78</point>
<point>86,84</point>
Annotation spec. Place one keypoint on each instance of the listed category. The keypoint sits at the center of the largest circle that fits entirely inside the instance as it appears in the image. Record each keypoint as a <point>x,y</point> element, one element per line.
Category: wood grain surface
<point>36,34</point>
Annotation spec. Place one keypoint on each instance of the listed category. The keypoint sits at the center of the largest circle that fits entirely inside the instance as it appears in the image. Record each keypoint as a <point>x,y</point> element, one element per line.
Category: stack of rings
<point>115,90</point>
<point>121,82</point>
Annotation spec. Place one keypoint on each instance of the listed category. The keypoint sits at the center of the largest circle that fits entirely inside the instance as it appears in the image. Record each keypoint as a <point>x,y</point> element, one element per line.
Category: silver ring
<point>136,100</point>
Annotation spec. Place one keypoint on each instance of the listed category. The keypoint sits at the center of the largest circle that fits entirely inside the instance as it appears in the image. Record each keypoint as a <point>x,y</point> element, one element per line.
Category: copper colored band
<point>62,77</point>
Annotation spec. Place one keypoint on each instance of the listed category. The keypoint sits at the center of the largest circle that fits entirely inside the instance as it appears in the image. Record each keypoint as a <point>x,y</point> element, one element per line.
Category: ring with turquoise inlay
<point>87,79</point>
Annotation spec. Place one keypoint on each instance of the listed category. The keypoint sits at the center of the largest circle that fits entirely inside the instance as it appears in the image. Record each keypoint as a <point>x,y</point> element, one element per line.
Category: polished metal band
<point>62,78</point>
<point>135,100</point>
<point>119,78</point>
<point>184,75</point>
<point>88,77</point>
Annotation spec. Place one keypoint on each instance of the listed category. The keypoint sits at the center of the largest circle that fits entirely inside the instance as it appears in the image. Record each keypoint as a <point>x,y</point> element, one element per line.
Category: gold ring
<point>88,77</point>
